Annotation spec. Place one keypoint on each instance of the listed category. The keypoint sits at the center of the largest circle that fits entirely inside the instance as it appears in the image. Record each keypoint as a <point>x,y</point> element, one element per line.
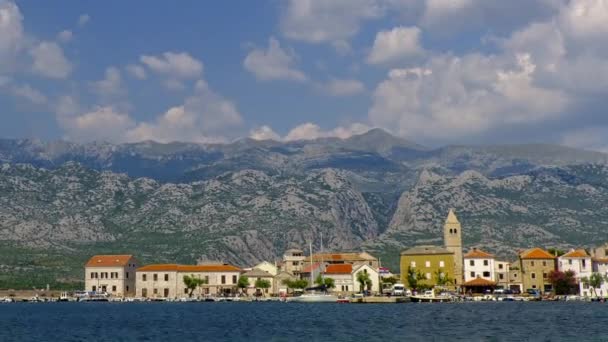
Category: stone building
<point>112,274</point>
<point>452,239</point>
<point>535,264</point>
<point>429,261</point>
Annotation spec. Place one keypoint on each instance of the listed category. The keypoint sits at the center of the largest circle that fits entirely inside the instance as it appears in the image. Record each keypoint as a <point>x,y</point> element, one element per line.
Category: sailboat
<point>313,296</point>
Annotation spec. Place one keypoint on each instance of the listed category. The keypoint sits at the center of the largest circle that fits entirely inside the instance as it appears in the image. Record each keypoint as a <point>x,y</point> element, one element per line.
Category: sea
<point>277,321</point>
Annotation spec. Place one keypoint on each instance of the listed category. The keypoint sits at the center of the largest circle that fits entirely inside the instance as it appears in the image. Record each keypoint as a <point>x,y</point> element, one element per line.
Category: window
<point>533,275</point>
<point>544,275</point>
<point>531,263</point>
<point>206,279</point>
<point>144,277</point>
<point>427,264</point>
<point>113,288</point>
<point>94,288</point>
<point>102,275</point>
<point>413,264</point>
<point>144,292</point>
<point>166,293</point>
<point>472,274</point>
<point>127,274</point>
<point>186,290</point>
<point>500,266</point>
<point>223,279</point>
<point>92,275</point>
<point>441,263</point>
<point>501,276</point>
<point>486,274</point>
<point>155,277</point>
<point>451,231</point>
<point>166,277</point>
<point>455,231</point>
<point>234,279</point>
<point>155,291</point>
<point>570,261</point>
<point>584,263</point>
<point>472,262</point>
<point>533,286</point>
<point>544,263</point>
<point>295,263</point>
<point>486,262</point>
<point>428,276</point>
<point>127,289</point>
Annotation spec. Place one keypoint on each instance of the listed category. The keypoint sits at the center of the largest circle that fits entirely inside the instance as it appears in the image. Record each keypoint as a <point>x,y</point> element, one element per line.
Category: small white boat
<point>314,298</point>
<point>430,297</point>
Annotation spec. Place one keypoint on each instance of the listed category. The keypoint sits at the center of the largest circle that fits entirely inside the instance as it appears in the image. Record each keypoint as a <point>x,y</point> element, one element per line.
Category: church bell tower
<point>452,239</point>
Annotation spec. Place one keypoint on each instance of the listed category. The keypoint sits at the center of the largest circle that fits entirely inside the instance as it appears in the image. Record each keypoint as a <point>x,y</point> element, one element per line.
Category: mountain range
<point>249,200</point>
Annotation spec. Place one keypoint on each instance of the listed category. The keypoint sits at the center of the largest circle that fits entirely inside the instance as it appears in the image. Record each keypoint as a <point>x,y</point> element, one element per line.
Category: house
<point>311,272</point>
<point>515,277</point>
<point>355,259</point>
<point>167,280</point>
<point>501,273</point>
<point>267,267</point>
<point>600,265</point>
<point>373,274</point>
<point>279,282</point>
<point>113,274</point>
<point>258,274</point>
<point>479,264</point>
<point>430,262</point>
<point>535,265</point>
<point>293,261</point>
<point>580,263</point>
<point>342,274</point>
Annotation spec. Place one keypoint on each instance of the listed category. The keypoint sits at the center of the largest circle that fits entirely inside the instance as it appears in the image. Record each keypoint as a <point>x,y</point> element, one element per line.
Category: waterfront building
<point>267,267</point>
<point>167,280</point>
<point>279,282</point>
<point>311,271</point>
<point>342,274</point>
<point>501,273</point>
<point>113,274</point>
<point>515,277</point>
<point>479,264</point>
<point>452,239</point>
<point>373,274</point>
<point>428,261</point>
<point>256,274</point>
<point>600,265</point>
<point>355,259</point>
<point>293,261</point>
<point>580,263</point>
<point>535,265</point>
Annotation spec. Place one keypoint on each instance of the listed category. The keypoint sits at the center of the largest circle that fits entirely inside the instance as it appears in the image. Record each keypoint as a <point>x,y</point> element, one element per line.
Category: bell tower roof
<point>451,218</point>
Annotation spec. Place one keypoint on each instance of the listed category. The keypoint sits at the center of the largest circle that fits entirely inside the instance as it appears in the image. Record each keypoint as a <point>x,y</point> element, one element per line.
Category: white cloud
<point>49,60</point>
<point>274,63</point>
<point>27,92</point>
<point>175,65</point>
<point>396,44</point>
<point>11,33</point>
<point>173,84</point>
<point>83,19</point>
<point>310,131</point>
<point>111,86</point>
<point>101,123</point>
<point>454,97</point>
<point>264,133</point>
<point>64,36</point>
<point>317,21</point>
<point>338,87</point>
<point>137,71</point>
<point>204,117</point>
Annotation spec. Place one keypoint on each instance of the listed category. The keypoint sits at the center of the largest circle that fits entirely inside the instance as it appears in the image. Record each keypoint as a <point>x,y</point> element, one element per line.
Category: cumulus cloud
<point>64,36</point>
<point>339,87</point>
<point>100,123</point>
<point>274,63</point>
<point>396,44</point>
<point>175,65</point>
<point>11,33</point>
<point>204,117</point>
<point>31,94</point>
<point>137,71</point>
<point>318,21</point>
<point>111,85</point>
<point>264,133</point>
<point>309,131</point>
<point>49,60</point>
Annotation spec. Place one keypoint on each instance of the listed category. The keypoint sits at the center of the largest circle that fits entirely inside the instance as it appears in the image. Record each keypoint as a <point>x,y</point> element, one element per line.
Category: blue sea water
<point>273,321</point>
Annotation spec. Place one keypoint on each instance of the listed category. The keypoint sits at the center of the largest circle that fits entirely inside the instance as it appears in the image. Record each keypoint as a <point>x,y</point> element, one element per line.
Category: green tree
<point>443,278</point>
<point>192,283</point>
<point>328,282</point>
<point>390,280</point>
<point>363,279</point>
<point>594,281</point>
<point>413,279</point>
<point>263,284</point>
<point>243,283</point>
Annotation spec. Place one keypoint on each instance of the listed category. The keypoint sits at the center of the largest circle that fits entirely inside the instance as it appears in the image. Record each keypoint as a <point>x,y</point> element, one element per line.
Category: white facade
<point>112,274</point>
<point>373,275</point>
<point>167,281</point>
<point>600,265</point>
<point>475,267</point>
<point>580,263</point>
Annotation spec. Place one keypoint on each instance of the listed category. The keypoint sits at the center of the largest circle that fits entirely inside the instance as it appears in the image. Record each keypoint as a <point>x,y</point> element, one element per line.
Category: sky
<point>432,71</point>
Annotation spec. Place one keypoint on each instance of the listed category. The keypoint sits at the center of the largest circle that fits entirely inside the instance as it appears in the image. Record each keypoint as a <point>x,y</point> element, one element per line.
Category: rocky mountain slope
<point>250,200</point>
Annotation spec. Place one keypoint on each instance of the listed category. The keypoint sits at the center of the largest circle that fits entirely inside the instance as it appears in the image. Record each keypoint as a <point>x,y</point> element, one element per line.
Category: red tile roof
<point>577,253</point>
<point>108,261</point>
<point>478,253</point>
<point>479,282</point>
<point>601,260</point>
<point>310,267</point>
<point>339,269</point>
<point>189,268</point>
<point>536,253</point>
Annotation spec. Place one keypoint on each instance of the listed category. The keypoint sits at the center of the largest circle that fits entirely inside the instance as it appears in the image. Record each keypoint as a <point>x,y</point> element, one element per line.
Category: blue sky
<point>434,71</point>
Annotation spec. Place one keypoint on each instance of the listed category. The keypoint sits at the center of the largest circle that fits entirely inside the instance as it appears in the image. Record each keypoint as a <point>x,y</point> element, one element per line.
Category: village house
<point>167,280</point>
<point>515,277</point>
<point>293,261</point>
<point>429,261</point>
<point>373,275</point>
<point>355,259</point>
<point>501,274</point>
<point>279,282</point>
<point>256,274</point>
<point>580,263</point>
<point>112,274</point>
<point>479,264</point>
<point>342,274</point>
<point>535,265</point>
<point>600,265</point>
<point>267,267</point>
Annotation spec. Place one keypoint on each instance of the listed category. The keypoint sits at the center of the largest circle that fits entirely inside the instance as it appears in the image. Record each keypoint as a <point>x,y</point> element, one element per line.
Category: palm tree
<point>192,283</point>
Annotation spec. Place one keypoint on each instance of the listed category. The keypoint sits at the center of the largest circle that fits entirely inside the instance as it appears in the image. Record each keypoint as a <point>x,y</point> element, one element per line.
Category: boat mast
<point>322,262</point>
<point>311,265</point>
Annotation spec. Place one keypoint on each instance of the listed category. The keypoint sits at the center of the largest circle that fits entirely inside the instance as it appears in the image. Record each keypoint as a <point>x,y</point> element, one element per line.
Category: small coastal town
<point>427,273</point>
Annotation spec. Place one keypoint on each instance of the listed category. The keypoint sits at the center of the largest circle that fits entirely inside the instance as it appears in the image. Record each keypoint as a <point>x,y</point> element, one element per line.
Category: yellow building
<point>535,264</point>
<point>429,262</point>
